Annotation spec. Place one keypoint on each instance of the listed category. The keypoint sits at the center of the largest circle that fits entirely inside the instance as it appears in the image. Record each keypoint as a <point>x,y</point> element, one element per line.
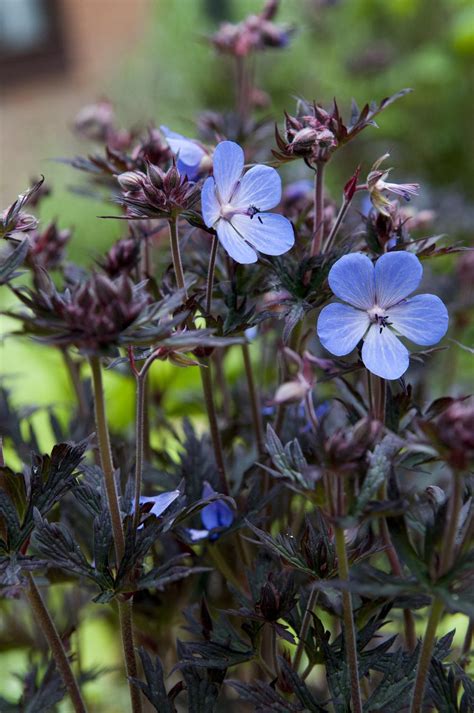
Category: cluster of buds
<point>47,246</point>
<point>121,258</point>
<point>157,193</point>
<point>254,34</point>
<point>14,221</point>
<point>97,122</point>
<point>309,135</point>
<point>317,547</point>
<point>378,187</point>
<point>277,598</point>
<point>346,449</point>
<point>453,433</point>
<point>90,315</point>
<point>314,133</point>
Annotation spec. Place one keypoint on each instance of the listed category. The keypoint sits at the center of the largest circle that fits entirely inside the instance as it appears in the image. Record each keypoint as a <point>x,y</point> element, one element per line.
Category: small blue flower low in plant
<point>235,205</point>
<point>160,502</point>
<point>215,517</point>
<point>190,154</point>
<point>378,311</point>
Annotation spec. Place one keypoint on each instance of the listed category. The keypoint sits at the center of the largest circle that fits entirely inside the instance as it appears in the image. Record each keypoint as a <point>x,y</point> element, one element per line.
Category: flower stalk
<point>176,254</point>
<point>318,220</point>
<point>51,635</point>
<point>208,391</point>
<point>349,628</point>
<point>254,400</point>
<point>124,607</point>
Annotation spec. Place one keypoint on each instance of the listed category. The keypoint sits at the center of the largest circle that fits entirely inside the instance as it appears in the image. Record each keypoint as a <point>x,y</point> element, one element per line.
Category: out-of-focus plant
<point>322,492</point>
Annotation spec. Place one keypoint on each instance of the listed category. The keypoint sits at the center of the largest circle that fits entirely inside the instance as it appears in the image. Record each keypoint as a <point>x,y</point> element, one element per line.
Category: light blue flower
<point>235,205</point>
<point>378,311</point>
<point>160,502</point>
<point>215,517</point>
<point>190,154</point>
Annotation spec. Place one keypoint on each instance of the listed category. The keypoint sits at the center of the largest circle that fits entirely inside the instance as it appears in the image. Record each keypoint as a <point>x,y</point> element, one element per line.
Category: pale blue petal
<point>351,279</point>
<point>160,502</point>
<point>209,203</point>
<point>234,244</point>
<point>190,153</point>
<point>423,319</point>
<point>341,327</point>
<point>397,275</point>
<point>269,233</point>
<point>383,354</point>
<point>260,187</point>
<point>196,535</point>
<point>228,164</point>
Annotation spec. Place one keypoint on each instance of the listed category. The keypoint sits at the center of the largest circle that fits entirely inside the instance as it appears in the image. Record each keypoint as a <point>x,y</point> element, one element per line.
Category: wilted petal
<point>216,514</point>
<point>351,279</point>
<point>269,233</point>
<point>423,319</point>
<point>341,327</point>
<point>291,391</point>
<point>260,187</point>
<point>228,164</point>
<point>190,153</point>
<point>383,354</point>
<point>209,203</point>
<point>397,275</point>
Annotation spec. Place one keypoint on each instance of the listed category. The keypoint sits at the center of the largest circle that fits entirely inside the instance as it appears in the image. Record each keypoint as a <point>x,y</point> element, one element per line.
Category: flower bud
<point>131,180</point>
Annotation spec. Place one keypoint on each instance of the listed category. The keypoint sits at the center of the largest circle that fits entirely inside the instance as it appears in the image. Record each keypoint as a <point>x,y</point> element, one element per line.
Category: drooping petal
<point>423,319</point>
<point>216,514</point>
<point>228,164</point>
<point>234,244</point>
<point>351,279</point>
<point>209,203</point>
<point>160,502</point>
<point>269,233</point>
<point>341,327</point>
<point>260,187</point>
<point>189,152</point>
<point>383,353</point>
<point>397,275</point>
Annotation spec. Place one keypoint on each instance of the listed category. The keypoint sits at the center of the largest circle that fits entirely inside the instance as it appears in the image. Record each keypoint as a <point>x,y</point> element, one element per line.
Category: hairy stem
<point>349,628</point>
<point>74,374</point>
<point>452,523</point>
<point>208,392</point>
<point>50,633</point>
<point>337,224</point>
<point>312,599</point>
<point>377,396</point>
<point>106,458</point>
<point>139,445</point>
<point>210,273</point>
<point>176,255</point>
<point>425,656</point>
<point>125,608</point>
<point>318,221</point>
<point>254,400</point>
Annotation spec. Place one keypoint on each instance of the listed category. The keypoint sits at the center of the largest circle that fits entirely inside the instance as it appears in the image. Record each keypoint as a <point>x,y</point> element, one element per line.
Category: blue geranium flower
<point>159,502</point>
<point>190,154</point>
<point>235,205</point>
<point>378,311</point>
<point>215,517</point>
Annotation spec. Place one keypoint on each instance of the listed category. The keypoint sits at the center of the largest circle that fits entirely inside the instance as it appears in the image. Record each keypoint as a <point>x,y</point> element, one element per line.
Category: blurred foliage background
<point>167,74</point>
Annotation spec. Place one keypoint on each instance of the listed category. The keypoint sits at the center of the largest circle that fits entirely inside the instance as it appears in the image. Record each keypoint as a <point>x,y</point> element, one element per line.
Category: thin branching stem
<point>349,627</point>
<point>337,224</point>
<point>255,405</point>
<point>305,624</point>
<point>176,255</point>
<point>73,370</point>
<point>210,273</point>
<point>208,391</point>
<point>50,633</point>
<point>318,221</point>
<point>125,607</point>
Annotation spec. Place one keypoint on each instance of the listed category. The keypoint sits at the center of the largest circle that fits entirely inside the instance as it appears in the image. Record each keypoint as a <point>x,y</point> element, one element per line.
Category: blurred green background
<point>151,59</point>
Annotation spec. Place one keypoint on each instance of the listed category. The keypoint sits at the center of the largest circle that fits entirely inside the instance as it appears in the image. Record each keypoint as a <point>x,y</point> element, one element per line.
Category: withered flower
<point>14,221</point>
<point>346,449</point>
<point>453,433</point>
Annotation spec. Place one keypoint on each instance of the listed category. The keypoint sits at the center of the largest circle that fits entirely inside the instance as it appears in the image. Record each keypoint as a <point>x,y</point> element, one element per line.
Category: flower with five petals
<point>378,311</point>
<point>235,205</point>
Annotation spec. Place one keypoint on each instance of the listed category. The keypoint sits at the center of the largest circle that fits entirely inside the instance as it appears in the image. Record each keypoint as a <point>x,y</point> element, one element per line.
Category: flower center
<point>227,211</point>
<point>377,316</point>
